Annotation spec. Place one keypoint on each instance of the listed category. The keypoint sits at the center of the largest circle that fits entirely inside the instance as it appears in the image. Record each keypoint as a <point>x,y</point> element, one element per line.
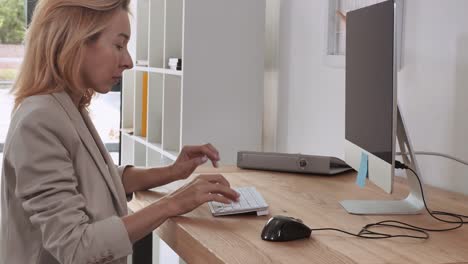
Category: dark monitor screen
<point>369,79</point>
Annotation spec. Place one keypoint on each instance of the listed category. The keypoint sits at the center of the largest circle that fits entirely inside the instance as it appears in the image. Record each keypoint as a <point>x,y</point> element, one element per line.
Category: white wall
<point>433,85</point>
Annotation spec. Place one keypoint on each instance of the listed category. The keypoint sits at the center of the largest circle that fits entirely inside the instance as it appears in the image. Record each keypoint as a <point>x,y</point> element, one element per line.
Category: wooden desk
<point>198,237</point>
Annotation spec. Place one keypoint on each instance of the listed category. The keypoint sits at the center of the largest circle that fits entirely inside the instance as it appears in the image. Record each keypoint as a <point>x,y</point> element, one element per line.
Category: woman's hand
<point>204,188</point>
<point>191,157</point>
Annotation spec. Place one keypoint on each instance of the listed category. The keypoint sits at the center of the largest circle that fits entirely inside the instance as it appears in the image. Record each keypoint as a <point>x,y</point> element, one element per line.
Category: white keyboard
<point>250,200</point>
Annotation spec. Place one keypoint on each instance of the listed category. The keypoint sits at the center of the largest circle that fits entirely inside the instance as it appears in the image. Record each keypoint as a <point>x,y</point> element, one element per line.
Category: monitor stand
<point>413,203</point>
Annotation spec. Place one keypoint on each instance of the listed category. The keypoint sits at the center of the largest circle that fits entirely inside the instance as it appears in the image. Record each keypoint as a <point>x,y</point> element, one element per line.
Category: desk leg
<point>143,250</point>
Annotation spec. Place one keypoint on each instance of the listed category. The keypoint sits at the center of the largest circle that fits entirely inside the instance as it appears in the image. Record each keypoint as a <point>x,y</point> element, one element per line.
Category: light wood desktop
<point>198,237</point>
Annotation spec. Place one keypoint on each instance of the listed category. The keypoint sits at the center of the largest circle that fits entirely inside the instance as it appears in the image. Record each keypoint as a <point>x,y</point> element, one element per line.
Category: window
<point>105,113</point>
<point>12,24</point>
<point>104,109</point>
<point>336,31</point>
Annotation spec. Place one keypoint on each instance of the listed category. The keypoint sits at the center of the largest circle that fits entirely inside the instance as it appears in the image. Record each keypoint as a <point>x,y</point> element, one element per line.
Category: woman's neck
<point>76,99</point>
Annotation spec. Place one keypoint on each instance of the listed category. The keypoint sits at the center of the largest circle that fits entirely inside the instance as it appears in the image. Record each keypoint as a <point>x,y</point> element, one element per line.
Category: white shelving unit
<point>216,98</point>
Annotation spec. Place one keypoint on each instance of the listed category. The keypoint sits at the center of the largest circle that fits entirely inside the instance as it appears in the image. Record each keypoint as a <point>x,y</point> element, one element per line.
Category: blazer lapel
<point>117,182</point>
<point>86,137</point>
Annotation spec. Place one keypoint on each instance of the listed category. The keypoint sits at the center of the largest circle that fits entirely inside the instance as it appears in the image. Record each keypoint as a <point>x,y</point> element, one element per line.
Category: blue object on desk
<point>363,168</point>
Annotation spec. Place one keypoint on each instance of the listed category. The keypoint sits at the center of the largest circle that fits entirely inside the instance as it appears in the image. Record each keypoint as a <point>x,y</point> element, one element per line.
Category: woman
<point>63,200</point>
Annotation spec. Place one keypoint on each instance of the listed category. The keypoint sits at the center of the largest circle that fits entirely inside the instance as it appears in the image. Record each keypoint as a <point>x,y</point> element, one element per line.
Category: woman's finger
<point>221,190</point>
<point>215,178</point>
<point>213,149</point>
<point>216,197</point>
<point>195,151</point>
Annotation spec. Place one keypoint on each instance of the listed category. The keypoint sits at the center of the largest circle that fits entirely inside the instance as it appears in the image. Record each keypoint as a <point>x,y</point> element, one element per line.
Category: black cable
<point>369,234</point>
<point>434,214</point>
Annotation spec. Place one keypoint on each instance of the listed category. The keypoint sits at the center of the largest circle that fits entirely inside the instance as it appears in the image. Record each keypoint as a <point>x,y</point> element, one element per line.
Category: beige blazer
<point>62,196</point>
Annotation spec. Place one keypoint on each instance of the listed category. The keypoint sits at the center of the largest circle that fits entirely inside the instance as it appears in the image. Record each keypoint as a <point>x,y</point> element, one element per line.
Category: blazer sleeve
<point>120,170</point>
<point>47,187</point>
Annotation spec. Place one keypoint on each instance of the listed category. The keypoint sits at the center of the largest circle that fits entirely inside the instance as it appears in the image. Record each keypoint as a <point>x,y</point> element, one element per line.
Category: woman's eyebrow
<point>125,36</point>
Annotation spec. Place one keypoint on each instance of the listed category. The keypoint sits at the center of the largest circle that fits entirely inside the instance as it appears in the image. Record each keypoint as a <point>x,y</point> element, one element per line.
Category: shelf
<point>169,154</point>
<point>158,70</point>
<point>139,139</point>
<point>172,155</point>
<point>165,71</point>
<point>127,130</point>
<point>155,146</point>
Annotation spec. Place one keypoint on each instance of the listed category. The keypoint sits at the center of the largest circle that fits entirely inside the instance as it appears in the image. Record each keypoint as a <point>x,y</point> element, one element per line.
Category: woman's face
<point>107,57</point>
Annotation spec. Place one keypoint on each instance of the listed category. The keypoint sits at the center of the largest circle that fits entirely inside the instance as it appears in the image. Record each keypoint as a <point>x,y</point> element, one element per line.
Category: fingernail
<point>204,159</point>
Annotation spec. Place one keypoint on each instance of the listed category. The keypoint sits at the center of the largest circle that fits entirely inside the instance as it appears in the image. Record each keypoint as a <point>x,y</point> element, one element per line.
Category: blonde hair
<point>54,46</point>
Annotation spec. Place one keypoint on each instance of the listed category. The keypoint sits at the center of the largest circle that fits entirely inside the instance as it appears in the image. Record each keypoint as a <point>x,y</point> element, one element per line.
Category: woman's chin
<point>103,90</point>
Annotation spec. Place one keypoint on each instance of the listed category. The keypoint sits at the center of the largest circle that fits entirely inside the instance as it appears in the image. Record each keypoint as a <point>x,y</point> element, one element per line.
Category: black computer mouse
<point>285,228</point>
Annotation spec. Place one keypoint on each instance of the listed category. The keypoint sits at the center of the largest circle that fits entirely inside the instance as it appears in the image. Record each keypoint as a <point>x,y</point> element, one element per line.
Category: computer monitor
<point>371,91</point>
<point>372,116</point>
